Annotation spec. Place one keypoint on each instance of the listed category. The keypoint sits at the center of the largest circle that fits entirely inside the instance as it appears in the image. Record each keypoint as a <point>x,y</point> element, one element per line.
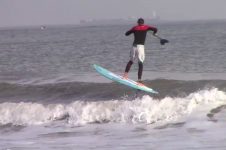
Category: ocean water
<point>52,98</point>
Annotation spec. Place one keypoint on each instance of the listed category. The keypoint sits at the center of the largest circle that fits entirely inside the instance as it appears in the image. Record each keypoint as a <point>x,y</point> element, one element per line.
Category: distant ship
<point>131,19</point>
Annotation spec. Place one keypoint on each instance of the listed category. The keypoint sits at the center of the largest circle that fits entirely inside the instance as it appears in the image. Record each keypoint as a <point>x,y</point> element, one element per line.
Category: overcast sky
<point>42,12</point>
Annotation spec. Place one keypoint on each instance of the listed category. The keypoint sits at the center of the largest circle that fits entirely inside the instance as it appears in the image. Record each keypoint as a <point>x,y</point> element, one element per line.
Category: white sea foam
<point>145,110</point>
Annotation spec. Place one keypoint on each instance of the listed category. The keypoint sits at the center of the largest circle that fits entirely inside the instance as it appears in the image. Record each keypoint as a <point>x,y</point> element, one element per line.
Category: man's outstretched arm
<point>129,32</point>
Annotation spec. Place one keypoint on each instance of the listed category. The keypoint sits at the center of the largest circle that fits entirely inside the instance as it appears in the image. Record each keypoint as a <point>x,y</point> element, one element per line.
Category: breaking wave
<point>145,110</point>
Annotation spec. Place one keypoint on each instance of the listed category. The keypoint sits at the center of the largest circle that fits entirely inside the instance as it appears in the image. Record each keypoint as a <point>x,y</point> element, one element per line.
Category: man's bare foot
<point>139,82</point>
<point>125,76</point>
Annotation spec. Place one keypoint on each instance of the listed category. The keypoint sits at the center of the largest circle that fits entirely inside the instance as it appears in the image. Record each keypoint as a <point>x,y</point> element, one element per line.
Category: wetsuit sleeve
<point>129,32</point>
<point>154,29</point>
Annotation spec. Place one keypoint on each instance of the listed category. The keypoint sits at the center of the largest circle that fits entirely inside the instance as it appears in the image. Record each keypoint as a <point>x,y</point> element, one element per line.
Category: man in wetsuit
<point>140,32</point>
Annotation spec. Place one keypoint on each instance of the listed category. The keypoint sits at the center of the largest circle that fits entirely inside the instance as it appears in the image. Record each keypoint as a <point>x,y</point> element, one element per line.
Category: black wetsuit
<point>140,32</point>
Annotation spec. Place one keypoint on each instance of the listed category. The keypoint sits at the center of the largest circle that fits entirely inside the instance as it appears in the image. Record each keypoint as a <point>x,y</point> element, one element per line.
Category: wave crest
<point>141,110</point>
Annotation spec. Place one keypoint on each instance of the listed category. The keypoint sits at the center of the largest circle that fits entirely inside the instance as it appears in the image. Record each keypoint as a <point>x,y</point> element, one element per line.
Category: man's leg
<point>128,66</point>
<point>140,70</point>
<point>141,57</point>
<point>133,55</point>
